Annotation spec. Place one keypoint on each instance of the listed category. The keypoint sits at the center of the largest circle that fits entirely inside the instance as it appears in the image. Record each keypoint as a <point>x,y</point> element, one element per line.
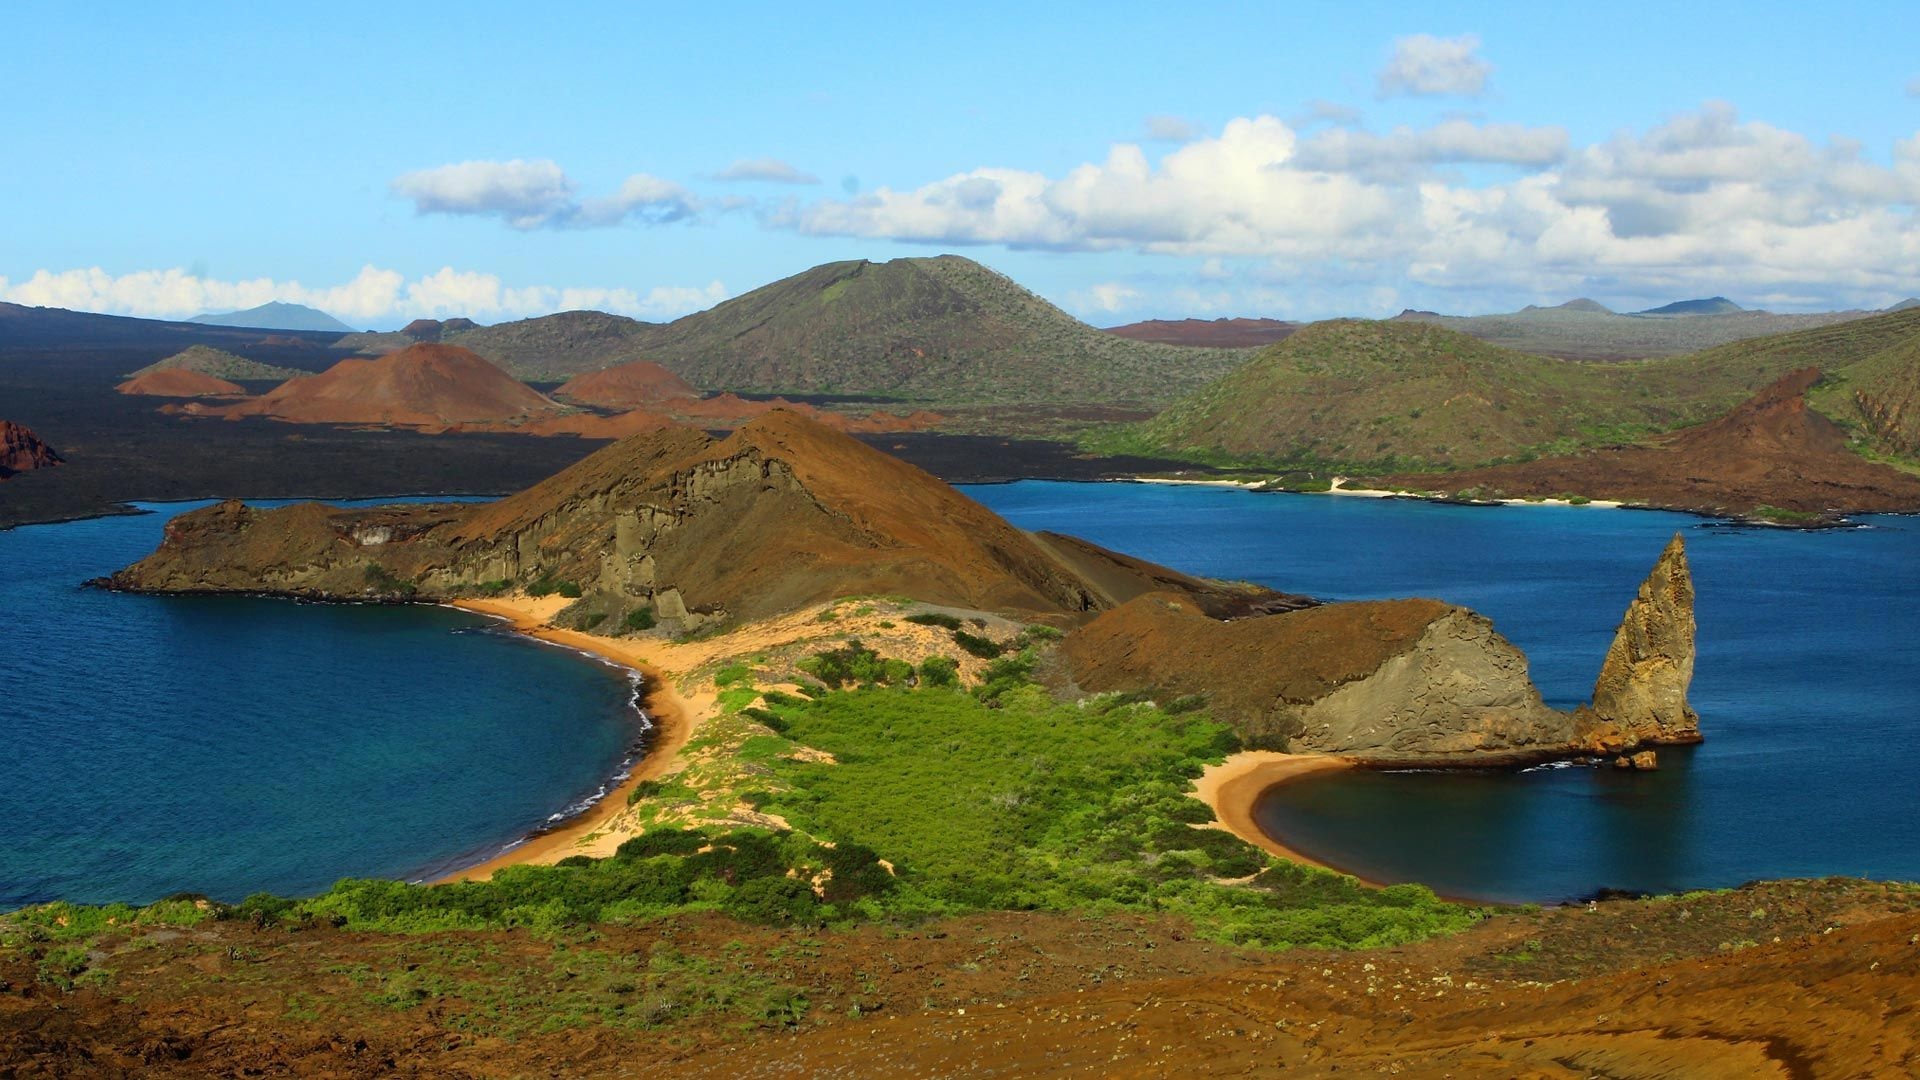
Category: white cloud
<point>538,194</point>
<point>373,297</point>
<point>771,170</point>
<point>1431,66</point>
<point>1177,129</point>
<point>1108,297</point>
<point>1704,202</point>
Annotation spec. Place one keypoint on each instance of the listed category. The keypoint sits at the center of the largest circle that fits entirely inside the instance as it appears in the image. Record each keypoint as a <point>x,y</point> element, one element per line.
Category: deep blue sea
<point>232,745</point>
<point>1807,683</point>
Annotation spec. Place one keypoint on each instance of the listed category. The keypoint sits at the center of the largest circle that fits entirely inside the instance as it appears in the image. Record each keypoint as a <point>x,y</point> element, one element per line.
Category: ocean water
<point>227,745</point>
<point>1807,683</point>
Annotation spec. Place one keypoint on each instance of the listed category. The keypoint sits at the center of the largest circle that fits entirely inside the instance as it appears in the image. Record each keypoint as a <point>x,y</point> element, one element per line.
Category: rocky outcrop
<point>1640,698</point>
<point>1402,683</point>
<point>21,450</point>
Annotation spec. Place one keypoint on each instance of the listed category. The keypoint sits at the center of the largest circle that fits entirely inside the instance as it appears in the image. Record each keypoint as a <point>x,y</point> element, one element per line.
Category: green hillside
<point>944,329</point>
<point>1370,396</point>
<point>221,364</point>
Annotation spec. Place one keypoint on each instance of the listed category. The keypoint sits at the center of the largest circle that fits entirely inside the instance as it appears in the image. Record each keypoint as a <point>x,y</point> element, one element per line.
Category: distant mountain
<point>1770,451</point>
<point>1713,305</point>
<point>1586,330</point>
<point>556,346</point>
<point>1905,305</point>
<point>179,382</point>
<point>1216,333</point>
<point>220,364</point>
<point>60,328</point>
<point>1593,307</point>
<point>938,330</point>
<point>276,315</point>
<point>424,386</point>
<point>1409,395</point>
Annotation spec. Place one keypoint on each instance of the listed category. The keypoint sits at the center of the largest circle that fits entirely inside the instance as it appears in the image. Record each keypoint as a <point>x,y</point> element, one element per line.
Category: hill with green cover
<point>220,364</point>
<point>1371,396</point>
<point>945,329</point>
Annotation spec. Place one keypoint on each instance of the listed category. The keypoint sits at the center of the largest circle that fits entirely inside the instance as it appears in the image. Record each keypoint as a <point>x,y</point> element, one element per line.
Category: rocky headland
<point>709,534</point>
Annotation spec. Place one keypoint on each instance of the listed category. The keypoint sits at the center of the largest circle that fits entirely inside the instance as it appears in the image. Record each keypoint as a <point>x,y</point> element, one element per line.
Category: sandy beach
<point>1232,787</point>
<point>595,831</point>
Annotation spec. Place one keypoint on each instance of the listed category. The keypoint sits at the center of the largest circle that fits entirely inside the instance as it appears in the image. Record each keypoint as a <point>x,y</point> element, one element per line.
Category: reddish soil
<point>1773,450</point>
<point>21,450</point>
<point>1787,979</point>
<point>1216,333</point>
<point>180,383</point>
<point>425,386</point>
<point>638,385</point>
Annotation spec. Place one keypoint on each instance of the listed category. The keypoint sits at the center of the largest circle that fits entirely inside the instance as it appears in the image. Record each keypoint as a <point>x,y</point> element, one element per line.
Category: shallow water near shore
<point>1807,683</point>
<point>228,745</point>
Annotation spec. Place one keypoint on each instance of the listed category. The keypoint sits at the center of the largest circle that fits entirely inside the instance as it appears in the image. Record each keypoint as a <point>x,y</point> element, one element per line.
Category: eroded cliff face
<point>1400,683</point>
<point>1414,682</point>
<point>21,450</point>
<point>1640,698</point>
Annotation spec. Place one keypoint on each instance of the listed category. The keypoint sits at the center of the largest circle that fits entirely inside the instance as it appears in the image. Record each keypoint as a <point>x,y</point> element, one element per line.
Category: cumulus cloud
<point>1429,66</point>
<point>1171,129</point>
<point>538,195</point>
<point>1703,201</point>
<point>375,296</point>
<point>770,170</point>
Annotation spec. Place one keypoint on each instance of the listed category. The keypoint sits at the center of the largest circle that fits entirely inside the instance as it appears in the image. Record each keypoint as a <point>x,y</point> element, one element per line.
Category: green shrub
<point>935,618</point>
<point>939,671</point>
<point>640,618</point>
<point>984,648</point>
<point>773,901</point>
<point>568,589</point>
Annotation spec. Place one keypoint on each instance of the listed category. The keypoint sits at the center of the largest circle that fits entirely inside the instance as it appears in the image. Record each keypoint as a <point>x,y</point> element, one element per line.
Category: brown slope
<point>424,385</point>
<point>21,450</point>
<point>1208,333</point>
<point>179,382</point>
<point>782,513</point>
<point>1771,451</point>
<point>637,385</point>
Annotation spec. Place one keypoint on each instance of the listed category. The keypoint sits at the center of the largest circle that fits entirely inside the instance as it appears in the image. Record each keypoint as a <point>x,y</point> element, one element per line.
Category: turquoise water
<point>1807,683</point>
<point>230,745</point>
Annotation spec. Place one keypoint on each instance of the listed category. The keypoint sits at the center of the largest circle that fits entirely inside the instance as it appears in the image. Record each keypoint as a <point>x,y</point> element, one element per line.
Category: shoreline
<point>670,713</point>
<point>1233,787</point>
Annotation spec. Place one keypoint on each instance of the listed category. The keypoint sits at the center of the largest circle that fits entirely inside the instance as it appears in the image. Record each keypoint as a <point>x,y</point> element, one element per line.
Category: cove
<point>230,745</point>
<point>1807,683</point>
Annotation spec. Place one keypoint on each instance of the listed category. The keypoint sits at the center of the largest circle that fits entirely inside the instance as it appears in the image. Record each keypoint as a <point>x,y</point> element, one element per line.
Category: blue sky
<point>389,161</point>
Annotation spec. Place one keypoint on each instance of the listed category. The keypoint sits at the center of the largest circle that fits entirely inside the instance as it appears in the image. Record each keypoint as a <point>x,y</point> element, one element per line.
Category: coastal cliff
<point>1408,683</point>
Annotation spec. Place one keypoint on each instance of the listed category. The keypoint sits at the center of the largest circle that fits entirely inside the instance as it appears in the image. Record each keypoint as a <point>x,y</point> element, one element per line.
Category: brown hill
<point>1771,453</point>
<point>782,513</point>
<point>21,450</point>
<point>179,382</point>
<point>423,386</point>
<point>1208,333</point>
<point>637,385</point>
